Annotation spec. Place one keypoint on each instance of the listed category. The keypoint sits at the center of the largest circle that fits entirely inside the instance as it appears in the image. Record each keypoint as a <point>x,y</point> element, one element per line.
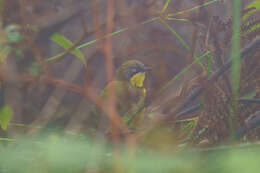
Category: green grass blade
<point>193,8</point>
<point>116,33</point>
<point>165,5</point>
<point>187,47</point>
<point>178,19</point>
<point>104,37</point>
<point>236,63</point>
<point>108,35</point>
<point>7,139</point>
<point>209,64</point>
<point>235,69</point>
<point>183,71</point>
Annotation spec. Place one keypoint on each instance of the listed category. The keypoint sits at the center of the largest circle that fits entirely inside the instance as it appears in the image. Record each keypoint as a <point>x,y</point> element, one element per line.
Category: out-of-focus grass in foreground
<point>69,155</point>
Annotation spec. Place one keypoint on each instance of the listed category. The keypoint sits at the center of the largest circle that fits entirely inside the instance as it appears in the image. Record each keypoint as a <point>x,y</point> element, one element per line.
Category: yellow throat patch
<point>137,80</point>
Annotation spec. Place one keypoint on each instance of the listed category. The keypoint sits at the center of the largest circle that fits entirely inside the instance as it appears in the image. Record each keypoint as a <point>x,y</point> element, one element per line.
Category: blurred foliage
<point>34,69</point>
<point>13,34</point>
<point>71,155</point>
<point>10,34</point>
<point>255,5</point>
<point>158,150</point>
<point>6,114</point>
<point>4,52</point>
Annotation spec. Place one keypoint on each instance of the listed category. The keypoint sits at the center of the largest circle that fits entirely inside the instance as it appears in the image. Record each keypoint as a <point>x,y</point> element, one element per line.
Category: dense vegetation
<point>201,111</point>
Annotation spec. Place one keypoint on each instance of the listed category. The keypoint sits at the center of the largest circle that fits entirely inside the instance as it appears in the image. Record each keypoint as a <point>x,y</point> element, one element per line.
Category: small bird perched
<point>129,90</point>
<point>129,97</point>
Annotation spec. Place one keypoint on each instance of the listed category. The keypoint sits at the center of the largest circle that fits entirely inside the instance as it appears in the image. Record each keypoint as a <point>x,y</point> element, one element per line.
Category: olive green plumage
<point>129,90</point>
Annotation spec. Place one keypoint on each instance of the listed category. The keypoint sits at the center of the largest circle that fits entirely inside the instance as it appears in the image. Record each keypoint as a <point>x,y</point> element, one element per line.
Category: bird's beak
<point>147,68</point>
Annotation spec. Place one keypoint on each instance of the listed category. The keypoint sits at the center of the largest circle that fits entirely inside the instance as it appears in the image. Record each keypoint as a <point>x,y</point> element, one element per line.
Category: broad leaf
<point>67,44</point>
<point>256,5</point>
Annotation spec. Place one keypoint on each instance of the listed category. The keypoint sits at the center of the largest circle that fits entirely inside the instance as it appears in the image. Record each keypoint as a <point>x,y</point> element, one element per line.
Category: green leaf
<point>104,37</point>
<point>67,44</point>
<point>13,33</point>
<point>202,131</point>
<point>6,114</point>
<point>255,4</point>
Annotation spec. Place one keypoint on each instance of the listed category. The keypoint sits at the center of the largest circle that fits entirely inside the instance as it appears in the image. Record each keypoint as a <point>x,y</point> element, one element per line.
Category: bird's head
<point>132,71</point>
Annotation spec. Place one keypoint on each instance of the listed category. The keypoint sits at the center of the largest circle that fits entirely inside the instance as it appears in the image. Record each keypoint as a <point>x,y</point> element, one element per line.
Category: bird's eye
<point>133,70</point>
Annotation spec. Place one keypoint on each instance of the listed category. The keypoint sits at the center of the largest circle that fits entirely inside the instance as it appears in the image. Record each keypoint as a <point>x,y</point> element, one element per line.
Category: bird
<point>130,95</point>
<point>130,92</point>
